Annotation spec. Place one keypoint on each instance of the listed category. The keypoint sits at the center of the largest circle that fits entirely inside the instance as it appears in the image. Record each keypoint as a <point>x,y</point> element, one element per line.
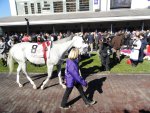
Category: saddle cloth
<point>40,50</point>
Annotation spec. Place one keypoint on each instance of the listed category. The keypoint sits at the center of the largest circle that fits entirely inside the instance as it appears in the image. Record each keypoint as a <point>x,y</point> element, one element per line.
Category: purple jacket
<point>72,73</point>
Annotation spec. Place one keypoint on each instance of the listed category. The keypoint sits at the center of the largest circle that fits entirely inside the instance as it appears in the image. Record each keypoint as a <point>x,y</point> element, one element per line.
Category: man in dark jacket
<point>117,42</point>
<point>91,41</point>
<point>105,52</point>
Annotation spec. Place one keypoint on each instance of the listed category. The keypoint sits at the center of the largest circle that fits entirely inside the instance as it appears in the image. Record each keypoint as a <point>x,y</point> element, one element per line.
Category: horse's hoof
<point>42,87</point>
<point>64,86</point>
<point>34,87</point>
<point>20,85</point>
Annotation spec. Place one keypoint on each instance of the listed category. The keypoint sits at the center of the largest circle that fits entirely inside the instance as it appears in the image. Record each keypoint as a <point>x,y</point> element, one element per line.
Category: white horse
<point>32,52</point>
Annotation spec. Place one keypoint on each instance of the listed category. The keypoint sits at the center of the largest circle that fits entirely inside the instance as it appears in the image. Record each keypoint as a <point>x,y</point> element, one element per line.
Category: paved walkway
<point>113,93</point>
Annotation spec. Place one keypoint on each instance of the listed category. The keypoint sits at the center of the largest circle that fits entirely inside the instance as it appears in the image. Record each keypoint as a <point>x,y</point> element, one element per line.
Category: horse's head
<point>84,49</point>
<point>79,43</point>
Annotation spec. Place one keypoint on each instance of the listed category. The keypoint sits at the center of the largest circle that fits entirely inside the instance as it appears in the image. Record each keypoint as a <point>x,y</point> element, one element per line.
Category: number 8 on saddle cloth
<point>34,47</point>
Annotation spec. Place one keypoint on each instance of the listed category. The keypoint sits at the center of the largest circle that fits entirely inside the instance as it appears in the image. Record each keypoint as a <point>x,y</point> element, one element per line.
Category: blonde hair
<point>74,53</point>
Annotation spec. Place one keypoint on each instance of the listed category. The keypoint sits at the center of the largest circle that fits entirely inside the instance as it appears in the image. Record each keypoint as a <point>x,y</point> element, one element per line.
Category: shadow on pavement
<point>94,85</point>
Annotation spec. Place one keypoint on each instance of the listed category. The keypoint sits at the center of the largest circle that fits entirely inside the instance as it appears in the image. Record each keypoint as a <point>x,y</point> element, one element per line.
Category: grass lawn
<point>92,65</point>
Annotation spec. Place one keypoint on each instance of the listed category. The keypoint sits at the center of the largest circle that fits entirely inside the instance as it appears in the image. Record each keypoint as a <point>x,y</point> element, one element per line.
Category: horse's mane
<point>63,40</point>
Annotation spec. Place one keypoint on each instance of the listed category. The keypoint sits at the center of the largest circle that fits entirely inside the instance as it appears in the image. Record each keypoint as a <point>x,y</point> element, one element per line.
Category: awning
<point>78,17</point>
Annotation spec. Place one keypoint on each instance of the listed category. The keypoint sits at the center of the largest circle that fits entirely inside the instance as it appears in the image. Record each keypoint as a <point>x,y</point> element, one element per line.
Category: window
<point>32,8</point>
<point>26,8</point>
<point>120,4</point>
<point>84,5</point>
<point>70,5</point>
<point>46,6</point>
<point>45,2</point>
<point>58,6</point>
<point>39,7</point>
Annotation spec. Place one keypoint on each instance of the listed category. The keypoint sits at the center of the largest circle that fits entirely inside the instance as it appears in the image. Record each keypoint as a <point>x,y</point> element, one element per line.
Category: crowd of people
<point>106,43</point>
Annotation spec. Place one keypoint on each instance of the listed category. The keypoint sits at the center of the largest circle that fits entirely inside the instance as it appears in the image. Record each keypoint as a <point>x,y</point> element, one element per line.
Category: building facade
<point>32,7</point>
<point>28,7</point>
<point>76,15</point>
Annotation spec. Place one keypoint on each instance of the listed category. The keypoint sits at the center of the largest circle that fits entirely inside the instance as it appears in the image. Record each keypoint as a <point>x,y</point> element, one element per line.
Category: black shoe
<point>66,107</point>
<point>140,61</point>
<point>90,103</point>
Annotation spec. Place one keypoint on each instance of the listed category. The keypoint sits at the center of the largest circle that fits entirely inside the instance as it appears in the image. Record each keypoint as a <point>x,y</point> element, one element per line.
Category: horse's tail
<point>10,63</point>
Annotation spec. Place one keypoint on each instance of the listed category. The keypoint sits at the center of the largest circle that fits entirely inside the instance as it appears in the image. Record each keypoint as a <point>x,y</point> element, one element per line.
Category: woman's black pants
<point>68,92</point>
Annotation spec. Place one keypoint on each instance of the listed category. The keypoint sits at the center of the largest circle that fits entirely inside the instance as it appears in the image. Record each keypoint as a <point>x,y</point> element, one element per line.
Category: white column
<point>90,5</point>
<point>77,5</point>
<point>105,5</point>
<point>108,5</point>
<point>139,4</point>
<point>13,8</point>
<point>51,6</point>
<point>64,6</point>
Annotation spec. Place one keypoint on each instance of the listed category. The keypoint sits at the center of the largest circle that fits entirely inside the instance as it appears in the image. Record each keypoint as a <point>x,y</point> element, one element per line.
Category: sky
<point>4,8</point>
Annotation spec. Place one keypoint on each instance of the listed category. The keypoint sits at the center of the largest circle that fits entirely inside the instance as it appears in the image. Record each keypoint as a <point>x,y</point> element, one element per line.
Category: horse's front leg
<point>49,70</point>
<point>59,76</point>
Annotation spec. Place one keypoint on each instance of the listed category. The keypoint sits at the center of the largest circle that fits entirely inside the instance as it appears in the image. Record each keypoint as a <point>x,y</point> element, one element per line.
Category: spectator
<point>2,45</point>
<point>85,37</point>
<point>134,56</point>
<point>91,41</point>
<point>26,38</point>
<point>96,37</point>
<point>117,42</point>
<point>3,51</point>
<point>143,46</point>
<point>60,36</point>
<point>73,78</point>
<point>105,52</point>
<point>11,41</point>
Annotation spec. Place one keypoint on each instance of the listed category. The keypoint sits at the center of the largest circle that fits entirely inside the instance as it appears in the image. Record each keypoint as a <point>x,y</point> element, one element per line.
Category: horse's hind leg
<point>18,71</point>
<point>25,72</point>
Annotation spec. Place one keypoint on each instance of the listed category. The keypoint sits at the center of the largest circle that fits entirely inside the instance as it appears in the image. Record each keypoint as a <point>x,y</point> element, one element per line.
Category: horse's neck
<point>65,46</point>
